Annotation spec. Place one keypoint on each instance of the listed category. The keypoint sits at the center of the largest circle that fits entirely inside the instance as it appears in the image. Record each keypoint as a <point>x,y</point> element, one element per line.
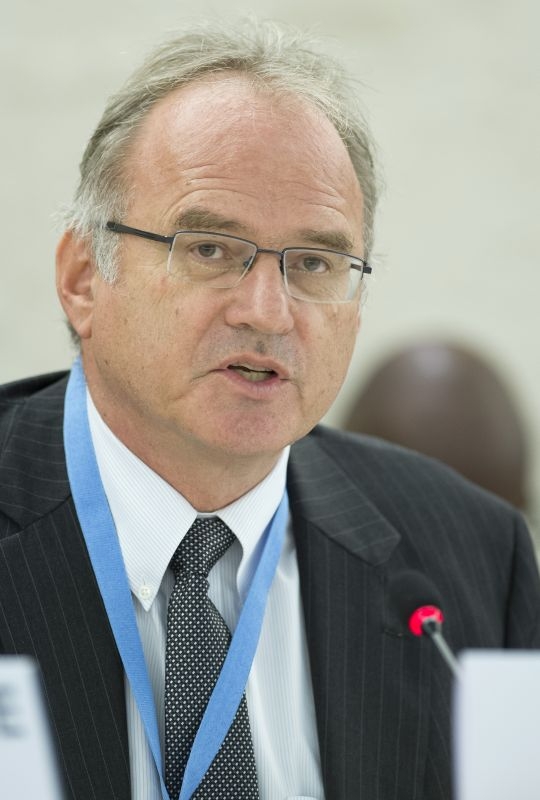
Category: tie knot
<point>203,545</point>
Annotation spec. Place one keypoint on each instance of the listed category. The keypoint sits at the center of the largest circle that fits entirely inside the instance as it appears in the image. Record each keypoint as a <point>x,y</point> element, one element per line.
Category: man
<point>212,269</point>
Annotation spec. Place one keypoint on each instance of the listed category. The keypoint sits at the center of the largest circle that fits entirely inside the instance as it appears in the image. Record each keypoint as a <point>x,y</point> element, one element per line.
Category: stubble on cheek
<point>343,339</point>
<point>331,351</point>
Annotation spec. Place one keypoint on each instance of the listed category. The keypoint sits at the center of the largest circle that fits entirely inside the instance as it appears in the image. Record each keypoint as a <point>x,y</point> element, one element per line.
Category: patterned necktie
<point>197,643</point>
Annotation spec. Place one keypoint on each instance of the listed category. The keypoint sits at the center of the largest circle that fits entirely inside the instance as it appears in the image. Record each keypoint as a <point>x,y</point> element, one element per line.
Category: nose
<point>260,300</point>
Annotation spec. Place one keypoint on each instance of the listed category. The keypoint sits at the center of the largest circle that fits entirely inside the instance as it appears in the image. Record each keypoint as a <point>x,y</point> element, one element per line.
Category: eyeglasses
<point>220,261</point>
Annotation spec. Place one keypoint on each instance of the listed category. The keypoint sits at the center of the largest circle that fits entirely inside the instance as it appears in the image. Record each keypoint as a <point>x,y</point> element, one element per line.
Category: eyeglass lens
<point>221,261</point>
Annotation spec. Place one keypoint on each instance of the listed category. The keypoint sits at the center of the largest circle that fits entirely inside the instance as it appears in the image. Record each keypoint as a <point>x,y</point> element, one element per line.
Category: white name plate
<point>497,726</point>
<point>27,759</point>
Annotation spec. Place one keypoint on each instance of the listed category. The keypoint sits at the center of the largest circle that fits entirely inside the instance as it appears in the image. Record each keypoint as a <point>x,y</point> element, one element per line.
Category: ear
<point>75,274</point>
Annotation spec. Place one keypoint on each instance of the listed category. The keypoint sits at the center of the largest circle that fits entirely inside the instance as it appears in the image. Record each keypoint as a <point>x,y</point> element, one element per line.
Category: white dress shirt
<point>151,518</point>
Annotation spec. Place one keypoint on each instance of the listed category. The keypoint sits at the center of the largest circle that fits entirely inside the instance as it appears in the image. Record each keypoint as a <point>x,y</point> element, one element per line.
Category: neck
<point>208,481</point>
<point>213,484</point>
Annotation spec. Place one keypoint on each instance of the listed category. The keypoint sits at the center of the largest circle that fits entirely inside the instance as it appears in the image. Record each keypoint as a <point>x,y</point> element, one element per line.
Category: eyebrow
<point>198,218</point>
<point>331,240</point>
<point>201,219</point>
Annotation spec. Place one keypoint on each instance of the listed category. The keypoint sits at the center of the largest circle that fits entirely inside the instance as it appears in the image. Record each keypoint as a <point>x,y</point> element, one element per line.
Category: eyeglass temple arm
<point>117,227</point>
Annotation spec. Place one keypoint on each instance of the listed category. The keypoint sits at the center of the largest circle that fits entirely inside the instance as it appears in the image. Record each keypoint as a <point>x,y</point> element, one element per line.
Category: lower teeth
<point>256,377</point>
<point>252,375</point>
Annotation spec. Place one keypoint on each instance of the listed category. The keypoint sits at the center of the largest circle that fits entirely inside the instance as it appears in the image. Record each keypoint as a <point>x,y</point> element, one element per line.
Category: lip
<point>255,362</point>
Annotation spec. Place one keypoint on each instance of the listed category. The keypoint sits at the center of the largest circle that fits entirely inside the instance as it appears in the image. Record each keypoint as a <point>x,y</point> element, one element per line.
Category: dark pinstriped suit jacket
<point>362,511</point>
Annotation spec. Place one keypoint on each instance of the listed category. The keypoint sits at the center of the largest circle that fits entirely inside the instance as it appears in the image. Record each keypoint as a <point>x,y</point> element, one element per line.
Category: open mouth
<point>252,375</point>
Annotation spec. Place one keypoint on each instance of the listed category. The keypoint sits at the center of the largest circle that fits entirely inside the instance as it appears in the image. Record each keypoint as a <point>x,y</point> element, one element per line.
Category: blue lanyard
<point>104,549</point>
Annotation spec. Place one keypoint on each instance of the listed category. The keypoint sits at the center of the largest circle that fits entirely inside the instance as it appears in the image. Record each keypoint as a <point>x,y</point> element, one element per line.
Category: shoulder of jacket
<point>17,395</point>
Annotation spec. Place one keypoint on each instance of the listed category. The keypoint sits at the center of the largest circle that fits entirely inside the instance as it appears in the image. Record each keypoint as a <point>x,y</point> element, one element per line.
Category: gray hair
<point>282,59</point>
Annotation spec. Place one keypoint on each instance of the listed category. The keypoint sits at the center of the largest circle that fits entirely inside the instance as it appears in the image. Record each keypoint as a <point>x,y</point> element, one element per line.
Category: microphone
<point>418,603</point>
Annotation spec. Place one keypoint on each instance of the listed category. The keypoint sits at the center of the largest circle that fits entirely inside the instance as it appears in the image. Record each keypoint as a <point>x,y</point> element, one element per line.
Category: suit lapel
<point>370,682</point>
<point>50,606</point>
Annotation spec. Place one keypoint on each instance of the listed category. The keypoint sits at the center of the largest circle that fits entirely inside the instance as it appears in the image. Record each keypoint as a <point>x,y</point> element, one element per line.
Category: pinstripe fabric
<point>361,511</point>
<point>383,698</point>
<point>50,606</point>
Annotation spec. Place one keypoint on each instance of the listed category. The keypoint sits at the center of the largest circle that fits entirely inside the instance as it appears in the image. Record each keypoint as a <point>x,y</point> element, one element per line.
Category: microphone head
<point>416,600</point>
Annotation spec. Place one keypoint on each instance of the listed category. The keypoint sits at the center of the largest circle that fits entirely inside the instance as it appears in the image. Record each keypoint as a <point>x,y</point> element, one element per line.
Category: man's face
<point>168,362</point>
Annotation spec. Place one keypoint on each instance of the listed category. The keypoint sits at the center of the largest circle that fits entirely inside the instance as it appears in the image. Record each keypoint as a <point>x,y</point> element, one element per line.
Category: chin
<point>251,440</point>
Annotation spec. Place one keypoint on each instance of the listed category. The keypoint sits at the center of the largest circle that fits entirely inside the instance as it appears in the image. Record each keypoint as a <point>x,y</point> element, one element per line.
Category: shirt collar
<point>151,517</point>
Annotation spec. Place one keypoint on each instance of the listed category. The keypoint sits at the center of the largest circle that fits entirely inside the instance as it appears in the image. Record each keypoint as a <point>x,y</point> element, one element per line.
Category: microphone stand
<point>432,628</point>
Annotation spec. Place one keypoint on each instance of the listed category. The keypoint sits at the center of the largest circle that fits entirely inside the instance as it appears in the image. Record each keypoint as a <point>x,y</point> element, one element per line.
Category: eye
<point>313,263</point>
<point>208,250</point>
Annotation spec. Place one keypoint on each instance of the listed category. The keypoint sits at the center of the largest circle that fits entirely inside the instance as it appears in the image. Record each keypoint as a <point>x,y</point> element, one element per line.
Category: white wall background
<point>452,91</point>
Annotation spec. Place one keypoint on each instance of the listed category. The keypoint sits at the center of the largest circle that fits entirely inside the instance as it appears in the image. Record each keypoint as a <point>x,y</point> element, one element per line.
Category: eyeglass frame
<point>365,267</point>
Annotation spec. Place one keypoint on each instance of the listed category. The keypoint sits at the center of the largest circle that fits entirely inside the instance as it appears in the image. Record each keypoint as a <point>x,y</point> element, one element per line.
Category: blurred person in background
<point>446,401</point>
